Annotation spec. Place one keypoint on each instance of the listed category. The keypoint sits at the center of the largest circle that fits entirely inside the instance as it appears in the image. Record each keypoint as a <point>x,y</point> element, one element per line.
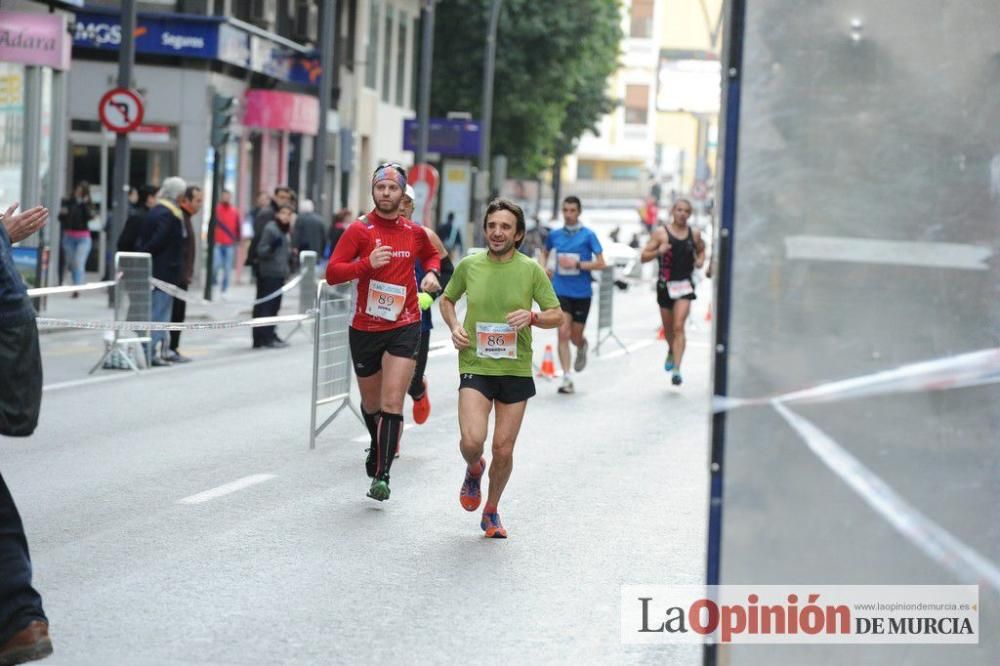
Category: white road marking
<point>238,484</point>
<point>887,252</point>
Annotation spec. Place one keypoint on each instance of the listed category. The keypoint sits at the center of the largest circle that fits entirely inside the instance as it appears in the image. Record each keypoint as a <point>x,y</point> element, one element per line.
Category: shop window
<point>371,53</point>
<point>636,104</point>
<point>585,171</point>
<point>641,23</point>
<point>390,18</point>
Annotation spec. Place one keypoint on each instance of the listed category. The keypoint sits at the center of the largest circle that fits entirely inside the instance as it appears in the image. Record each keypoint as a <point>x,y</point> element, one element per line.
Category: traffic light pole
<point>218,169</point>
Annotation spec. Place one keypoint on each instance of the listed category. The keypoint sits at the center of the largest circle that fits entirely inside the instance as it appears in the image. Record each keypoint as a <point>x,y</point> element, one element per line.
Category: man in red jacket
<point>380,251</point>
<point>227,238</point>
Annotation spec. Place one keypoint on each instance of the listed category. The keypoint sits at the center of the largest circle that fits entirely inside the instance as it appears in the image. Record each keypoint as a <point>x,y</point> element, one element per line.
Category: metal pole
<point>119,190</point>
<point>426,66</point>
<point>218,182</point>
<point>489,64</point>
<point>327,19</point>
<point>32,147</point>
<point>57,172</point>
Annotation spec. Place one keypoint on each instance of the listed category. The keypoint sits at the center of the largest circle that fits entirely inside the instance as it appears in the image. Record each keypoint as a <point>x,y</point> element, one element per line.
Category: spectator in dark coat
<point>24,629</point>
<point>163,234</point>
<point>309,233</point>
<point>282,197</point>
<point>128,241</point>
<point>190,206</point>
<point>273,254</point>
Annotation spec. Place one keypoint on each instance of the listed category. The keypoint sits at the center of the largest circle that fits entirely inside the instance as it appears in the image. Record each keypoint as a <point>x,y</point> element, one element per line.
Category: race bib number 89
<point>496,341</point>
<point>679,289</point>
<point>385,300</point>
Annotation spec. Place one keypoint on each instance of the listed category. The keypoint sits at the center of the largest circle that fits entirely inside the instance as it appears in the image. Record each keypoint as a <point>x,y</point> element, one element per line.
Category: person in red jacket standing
<point>227,238</point>
<point>379,251</point>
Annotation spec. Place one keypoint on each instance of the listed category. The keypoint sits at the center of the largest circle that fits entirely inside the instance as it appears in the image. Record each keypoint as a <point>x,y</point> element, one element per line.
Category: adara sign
<point>34,39</point>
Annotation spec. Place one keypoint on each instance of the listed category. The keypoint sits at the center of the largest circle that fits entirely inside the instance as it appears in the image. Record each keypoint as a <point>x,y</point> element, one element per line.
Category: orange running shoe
<point>470,497</point>
<point>492,527</point>
<point>422,407</point>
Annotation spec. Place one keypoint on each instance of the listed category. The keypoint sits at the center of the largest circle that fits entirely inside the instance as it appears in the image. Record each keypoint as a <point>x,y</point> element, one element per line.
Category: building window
<point>585,171</point>
<point>626,173</point>
<point>417,55</point>
<point>345,43</point>
<point>390,18</point>
<point>401,59</point>
<point>636,104</point>
<point>371,53</point>
<point>641,19</point>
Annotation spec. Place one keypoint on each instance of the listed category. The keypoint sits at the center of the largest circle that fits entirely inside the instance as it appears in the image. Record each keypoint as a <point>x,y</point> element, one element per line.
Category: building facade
<point>662,137</point>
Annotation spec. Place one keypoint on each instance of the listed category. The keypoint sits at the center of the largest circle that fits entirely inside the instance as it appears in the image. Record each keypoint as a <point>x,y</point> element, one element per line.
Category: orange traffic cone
<point>548,364</point>
<point>708,315</point>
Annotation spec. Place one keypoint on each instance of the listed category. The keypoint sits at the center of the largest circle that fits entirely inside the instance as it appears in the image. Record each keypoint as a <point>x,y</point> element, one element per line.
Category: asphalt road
<point>295,566</point>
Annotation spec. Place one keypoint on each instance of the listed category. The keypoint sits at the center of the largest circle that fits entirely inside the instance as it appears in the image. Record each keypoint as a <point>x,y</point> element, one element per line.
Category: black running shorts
<point>367,347</point>
<point>505,389</point>
<point>578,308</point>
<point>663,297</point>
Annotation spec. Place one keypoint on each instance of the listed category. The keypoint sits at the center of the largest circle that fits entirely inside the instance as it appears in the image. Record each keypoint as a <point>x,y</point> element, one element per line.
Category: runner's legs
<point>680,314</point>
<point>506,428</point>
<point>473,423</point>
<point>565,333</point>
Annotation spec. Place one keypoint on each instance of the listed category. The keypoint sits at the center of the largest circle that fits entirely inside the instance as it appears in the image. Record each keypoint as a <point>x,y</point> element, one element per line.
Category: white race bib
<point>572,270</point>
<point>679,288</point>
<point>495,341</point>
<point>385,300</point>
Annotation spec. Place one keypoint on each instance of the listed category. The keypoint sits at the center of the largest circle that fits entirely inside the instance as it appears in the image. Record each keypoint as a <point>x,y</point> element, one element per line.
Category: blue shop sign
<point>454,138</point>
<point>165,35</point>
<point>211,38</point>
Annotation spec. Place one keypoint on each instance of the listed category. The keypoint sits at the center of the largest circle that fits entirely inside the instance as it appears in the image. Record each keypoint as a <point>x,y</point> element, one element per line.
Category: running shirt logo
<point>385,300</point>
<point>497,341</point>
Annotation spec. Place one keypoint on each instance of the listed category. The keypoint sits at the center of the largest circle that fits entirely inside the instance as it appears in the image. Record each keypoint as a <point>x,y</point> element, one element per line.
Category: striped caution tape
<point>189,297</point>
<point>69,289</point>
<point>935,541</point>
<point>45,322</point>
<point>962,371</point>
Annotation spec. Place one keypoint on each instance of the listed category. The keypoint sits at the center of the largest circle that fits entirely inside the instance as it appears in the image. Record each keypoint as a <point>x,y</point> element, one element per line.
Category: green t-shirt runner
<point>493,289</point>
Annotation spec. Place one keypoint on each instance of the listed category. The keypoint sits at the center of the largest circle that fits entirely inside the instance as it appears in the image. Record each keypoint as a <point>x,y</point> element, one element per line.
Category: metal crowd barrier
<point>605,310</point>
<point>331,355</point>
<point>133,302</point>
<point>307,287</point>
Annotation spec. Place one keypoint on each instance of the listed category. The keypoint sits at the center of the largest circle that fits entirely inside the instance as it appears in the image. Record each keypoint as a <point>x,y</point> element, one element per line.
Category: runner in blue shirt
<point>571,253</point>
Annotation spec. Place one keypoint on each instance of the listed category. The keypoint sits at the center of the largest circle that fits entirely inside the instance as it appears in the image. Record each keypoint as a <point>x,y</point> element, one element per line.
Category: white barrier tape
<point>190,297</point>
<point>936,542</point>
<point>288,286</point>
<point>177,292</point>
<point>45,322</point>
<point>962,371</point>
<point>69,289</point>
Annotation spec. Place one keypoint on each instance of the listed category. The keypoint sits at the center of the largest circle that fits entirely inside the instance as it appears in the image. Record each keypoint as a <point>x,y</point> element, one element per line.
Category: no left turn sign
<point>120,110</point>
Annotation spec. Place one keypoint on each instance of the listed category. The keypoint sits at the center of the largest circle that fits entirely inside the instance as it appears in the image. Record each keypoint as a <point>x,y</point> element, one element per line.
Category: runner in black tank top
<point>679,250</point>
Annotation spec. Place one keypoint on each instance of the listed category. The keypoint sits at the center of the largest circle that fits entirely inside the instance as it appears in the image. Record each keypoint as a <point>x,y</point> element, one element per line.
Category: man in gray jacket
<point>273,255</point>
